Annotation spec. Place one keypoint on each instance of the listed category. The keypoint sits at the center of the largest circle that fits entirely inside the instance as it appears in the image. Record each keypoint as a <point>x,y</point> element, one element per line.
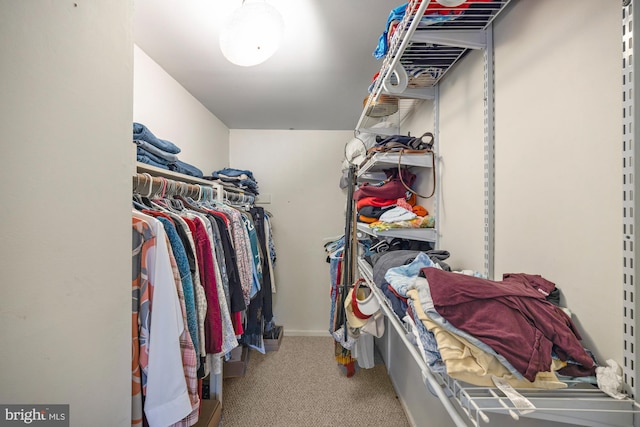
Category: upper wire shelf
<point>421,51</point>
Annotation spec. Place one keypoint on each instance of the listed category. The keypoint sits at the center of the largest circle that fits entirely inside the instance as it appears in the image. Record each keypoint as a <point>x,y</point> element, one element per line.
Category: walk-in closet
<point>390,214</point>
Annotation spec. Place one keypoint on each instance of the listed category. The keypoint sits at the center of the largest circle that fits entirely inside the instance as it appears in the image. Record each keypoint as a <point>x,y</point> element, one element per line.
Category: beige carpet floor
<point>301,385</point>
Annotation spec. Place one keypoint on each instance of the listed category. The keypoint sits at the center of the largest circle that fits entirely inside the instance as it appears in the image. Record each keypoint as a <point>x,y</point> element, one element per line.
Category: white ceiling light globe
<point>451,3</point>
<point>252,34</point>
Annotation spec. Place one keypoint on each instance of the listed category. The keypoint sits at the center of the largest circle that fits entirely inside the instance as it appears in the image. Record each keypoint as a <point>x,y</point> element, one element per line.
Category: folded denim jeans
<point>141,132</point>
<point>142,158</point>
<point>230,172</point>
<point>142,152</point>
<point>185,168</point>
<point>169,157</point>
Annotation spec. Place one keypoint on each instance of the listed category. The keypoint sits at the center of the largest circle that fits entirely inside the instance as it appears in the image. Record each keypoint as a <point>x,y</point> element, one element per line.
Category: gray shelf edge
<point>380,161</point>
<point>421,234</point>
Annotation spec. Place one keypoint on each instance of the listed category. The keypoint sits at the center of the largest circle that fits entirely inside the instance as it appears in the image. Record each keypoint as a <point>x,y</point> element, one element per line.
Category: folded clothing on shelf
<point>145,157</point>
<point>234,173</point>
<point>511,316</point>
<point>421,70</point>
<point>160,153</point>
<point>397,214</point>
<point>391,189</point>
<point>185,168</point>
<point>239,178</point>
<point>370,213</point>
<point>142,133</point>
<point>434,14</point>
<point>154,152</point>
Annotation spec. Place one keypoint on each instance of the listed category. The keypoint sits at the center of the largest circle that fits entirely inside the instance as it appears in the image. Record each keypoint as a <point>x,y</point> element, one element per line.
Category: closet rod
<point>171,175</point>
<point>147,185</point>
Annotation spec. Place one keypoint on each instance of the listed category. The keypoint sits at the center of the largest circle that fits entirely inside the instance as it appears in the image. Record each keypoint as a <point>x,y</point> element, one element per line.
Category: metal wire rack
<point>469,405</point>
<point>425,44</point>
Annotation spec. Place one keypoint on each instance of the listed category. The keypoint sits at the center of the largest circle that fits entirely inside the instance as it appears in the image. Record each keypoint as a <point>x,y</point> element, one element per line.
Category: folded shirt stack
<point>388,204</point>
<point>160,153</point>
<point>242,179</point>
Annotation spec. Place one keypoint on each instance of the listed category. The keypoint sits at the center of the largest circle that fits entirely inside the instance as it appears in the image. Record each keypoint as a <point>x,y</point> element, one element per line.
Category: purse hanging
<point>404,142</point>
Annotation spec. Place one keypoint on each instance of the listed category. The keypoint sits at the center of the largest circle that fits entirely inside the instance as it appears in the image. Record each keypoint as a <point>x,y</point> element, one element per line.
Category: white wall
<point>558,167</point>
<point>558,174</point>
<point>172,113</point>
<point>65,264</point>
<point>299,171</point>
<point>460,162</point>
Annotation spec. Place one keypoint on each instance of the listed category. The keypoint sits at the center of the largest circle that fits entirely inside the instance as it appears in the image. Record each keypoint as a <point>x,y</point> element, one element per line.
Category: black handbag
<point>404,142</point>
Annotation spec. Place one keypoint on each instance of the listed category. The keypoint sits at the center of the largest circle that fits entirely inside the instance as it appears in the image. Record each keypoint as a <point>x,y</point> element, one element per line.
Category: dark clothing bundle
<point>260,310</point>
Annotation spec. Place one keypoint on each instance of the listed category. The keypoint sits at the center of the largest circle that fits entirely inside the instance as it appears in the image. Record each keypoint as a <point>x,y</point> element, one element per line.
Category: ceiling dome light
<point>252,34</point>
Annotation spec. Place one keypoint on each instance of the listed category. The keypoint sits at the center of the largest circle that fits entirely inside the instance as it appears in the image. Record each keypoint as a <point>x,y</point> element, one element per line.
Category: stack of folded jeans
<point>160,152</point>
<point>185,168</point>
<point>242,179</point>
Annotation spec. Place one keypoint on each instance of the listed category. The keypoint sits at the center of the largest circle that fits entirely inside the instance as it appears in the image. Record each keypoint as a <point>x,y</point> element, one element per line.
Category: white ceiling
<point>317,79</point>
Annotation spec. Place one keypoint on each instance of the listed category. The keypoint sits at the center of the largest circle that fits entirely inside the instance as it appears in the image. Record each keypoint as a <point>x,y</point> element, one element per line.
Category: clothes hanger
<point>214,201</point>
<point>137,205</point>
<point>181,189</point>
<point>140,201</point>
<point>136,184</point>
<point>175,204</point>
<point>189,203</point>
<point>198,201</point>
<point>209,199</point>
<point>146,200</point>
<point>137,201</point>
<point>206,195</point>
<point>163,203</point>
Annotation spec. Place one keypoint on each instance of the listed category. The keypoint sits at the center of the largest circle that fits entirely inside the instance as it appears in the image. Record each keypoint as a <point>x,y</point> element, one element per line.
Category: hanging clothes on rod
<point>214,263</point>
<point>159,374</point>
<point>205,235</point>
<point>234,198</point>
<point>260,312</point>
<point>202,311</point>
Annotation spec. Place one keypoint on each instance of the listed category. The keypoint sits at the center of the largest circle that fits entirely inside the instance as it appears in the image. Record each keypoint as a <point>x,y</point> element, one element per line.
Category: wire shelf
<point>469,405</point>
<point>427,48</point>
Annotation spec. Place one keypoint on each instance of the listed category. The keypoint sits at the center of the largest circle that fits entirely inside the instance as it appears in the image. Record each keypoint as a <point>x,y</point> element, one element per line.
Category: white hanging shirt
<point>167,399</point>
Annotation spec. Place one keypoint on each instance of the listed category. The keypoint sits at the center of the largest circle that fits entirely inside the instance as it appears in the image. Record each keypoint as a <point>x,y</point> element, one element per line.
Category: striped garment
<point>189,357</point>
<point>200,297</point>
<point>143,242</point>
<point>179,253</point>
